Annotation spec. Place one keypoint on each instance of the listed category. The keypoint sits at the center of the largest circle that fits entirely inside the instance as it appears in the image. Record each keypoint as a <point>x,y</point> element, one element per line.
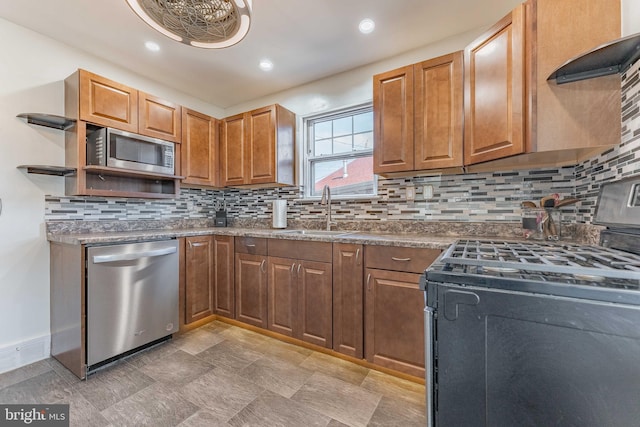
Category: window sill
<point>337,199</point>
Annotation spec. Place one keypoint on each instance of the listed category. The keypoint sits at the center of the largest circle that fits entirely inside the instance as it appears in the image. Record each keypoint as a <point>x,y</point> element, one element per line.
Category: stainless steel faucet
<point>326,200</point>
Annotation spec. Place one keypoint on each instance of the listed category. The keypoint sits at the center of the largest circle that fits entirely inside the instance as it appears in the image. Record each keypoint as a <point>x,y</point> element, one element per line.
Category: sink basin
<point>315,232</point>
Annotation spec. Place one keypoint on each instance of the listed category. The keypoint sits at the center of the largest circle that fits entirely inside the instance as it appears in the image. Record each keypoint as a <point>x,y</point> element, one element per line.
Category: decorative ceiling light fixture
<point>210,24</point>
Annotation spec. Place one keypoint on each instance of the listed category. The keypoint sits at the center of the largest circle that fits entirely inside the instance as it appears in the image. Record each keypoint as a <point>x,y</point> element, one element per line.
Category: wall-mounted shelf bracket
<point>49,170</point>
<point>48,120</point>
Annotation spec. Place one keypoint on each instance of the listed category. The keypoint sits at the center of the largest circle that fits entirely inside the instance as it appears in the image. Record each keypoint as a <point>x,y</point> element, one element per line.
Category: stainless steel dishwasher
<point>132,297</point>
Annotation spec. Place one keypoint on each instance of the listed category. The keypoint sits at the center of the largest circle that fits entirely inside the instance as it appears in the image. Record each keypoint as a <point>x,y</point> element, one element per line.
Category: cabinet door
<point>159,118</point>
<point>233,151</point>
<point>347,299</point>
<point>282,309</point>
<point>223,265</point>
<point>199,148</point>
<point>394,322</point>
<point>261,125</point>
<point>439,111</point>
<point>495,91</point>
<point>251,289</point>
<point>315,298</point>
<point>199,278</point>
<point>108,103</point>
<point>393,121</point>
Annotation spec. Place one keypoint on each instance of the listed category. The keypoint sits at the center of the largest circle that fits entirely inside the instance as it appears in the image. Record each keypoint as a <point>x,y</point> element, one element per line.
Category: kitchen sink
<point>316,232</point>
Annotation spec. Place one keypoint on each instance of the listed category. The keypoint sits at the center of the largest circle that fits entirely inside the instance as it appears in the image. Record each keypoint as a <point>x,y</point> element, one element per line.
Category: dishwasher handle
<point>101,259</point>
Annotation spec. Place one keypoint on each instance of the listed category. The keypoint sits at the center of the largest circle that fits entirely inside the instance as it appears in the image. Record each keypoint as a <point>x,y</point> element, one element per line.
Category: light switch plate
<point>411,193</point>
<point>427,192</point>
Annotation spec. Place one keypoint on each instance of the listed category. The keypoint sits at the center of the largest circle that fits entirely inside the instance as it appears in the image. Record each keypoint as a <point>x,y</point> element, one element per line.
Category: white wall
<point>630,17</point>
<point>351,87</point>
<point>32,71</point>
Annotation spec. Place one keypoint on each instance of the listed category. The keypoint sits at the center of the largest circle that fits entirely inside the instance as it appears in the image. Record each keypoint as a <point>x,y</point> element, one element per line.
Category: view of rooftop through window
<point>340,152</point>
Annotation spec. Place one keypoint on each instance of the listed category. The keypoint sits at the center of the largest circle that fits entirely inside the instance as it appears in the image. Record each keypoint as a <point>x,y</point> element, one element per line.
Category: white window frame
<point>309,158</point>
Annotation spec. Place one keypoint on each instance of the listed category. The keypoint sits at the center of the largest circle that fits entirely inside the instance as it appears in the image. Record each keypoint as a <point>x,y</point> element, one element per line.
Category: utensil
<point>566,202</point>
<point>548,201</point>
<point>528,204</point>
<point>553,232</point>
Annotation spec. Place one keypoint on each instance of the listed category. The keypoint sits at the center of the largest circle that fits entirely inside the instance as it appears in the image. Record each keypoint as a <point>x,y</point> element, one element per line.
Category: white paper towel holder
<point>280,213</point>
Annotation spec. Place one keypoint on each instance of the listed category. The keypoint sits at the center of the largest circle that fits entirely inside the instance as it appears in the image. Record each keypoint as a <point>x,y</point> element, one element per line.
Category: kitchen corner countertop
<point>358,237</point>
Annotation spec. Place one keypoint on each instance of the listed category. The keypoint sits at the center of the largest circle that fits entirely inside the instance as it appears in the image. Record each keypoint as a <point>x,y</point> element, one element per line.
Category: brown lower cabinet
<point>394,307</point>
<point>347,299</point>
<point>251,281</point>
<point>300,291</point>
<point>223,274</point>
<point>199,278</point>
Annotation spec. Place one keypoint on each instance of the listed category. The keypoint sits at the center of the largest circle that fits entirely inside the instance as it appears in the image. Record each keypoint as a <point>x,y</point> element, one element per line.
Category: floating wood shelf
<point>49,170</point>
<point>611,58</point>
<point>48,120</point>
<point>128,173</point>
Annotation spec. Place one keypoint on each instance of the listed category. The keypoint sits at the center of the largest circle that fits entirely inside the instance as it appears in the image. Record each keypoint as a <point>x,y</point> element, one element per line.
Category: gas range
<point>530,333</point>
<point>609,272</point>
<point>563,269</point>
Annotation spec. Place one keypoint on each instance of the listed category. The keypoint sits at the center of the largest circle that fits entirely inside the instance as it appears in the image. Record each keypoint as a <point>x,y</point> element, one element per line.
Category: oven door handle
<point>101,259</point>
<point>428,371</point>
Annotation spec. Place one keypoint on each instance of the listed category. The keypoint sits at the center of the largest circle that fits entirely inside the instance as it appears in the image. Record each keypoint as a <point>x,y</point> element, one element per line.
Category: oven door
<point>518,359</point>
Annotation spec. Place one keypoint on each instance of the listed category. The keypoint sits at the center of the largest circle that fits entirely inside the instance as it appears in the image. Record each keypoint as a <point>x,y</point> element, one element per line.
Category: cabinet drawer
<point>412,260</point>
<point>251,245</point>
<point>301,249</point>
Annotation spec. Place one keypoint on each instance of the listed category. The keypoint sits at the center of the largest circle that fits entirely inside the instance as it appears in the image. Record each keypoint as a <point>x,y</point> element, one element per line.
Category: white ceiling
<point>305,39</point>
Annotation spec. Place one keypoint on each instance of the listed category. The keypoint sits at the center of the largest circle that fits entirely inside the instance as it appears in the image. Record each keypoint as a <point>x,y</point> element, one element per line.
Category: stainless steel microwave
<point>125,150</point>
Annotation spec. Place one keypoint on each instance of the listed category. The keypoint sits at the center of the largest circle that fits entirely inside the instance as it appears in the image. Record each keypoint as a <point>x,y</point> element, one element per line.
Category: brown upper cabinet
<point>495,91</point>
<point>96,99</point>
<point>199,149</point>
<point>258,147</point>
<point>418,116</point>
<point>510,106</point>
<point>159,118</point>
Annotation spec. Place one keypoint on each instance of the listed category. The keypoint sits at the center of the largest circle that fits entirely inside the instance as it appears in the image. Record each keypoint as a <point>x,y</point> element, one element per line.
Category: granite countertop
<point>417,234</point>
<point>358,237</point>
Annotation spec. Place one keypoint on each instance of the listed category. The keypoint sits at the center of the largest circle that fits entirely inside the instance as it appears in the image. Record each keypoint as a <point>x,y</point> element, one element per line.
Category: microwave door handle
<point>101,259</point>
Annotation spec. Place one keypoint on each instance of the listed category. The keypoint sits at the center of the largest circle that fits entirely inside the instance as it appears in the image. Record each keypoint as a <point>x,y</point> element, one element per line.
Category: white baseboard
<point>24,353</point>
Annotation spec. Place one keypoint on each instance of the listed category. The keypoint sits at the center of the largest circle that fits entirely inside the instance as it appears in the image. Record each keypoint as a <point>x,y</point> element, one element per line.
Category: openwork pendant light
<point>210,24</point>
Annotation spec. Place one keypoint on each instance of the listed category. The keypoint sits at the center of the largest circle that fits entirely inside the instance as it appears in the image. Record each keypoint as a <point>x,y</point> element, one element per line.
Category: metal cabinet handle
<point>401,259</point>
<point>369,282</point>
<point>358,257</point>
<point>195,245</point>
<point>250,246</point>
<point>262,266</point>
<point>298,272</point>
<point>293,266</point>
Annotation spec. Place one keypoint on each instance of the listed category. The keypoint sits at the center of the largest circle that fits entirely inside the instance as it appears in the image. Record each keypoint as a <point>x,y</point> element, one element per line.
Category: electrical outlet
<point>427,192</point>
<point>411,193</point>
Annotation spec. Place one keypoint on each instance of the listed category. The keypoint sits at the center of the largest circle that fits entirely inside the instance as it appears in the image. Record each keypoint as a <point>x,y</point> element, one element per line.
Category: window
<point>339,153</point>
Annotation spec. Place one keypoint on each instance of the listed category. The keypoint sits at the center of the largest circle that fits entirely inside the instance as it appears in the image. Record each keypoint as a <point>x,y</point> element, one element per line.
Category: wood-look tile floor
<point>222,375</point>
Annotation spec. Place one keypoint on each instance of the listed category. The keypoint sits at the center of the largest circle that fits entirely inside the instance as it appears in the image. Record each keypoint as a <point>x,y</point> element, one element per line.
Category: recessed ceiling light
<point>366,26</point>
<point>266,65</point>
<point>152,46</point>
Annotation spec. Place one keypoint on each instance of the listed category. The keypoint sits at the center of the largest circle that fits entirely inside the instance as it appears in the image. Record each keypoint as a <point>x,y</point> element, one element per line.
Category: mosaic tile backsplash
<point>475,197</point>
